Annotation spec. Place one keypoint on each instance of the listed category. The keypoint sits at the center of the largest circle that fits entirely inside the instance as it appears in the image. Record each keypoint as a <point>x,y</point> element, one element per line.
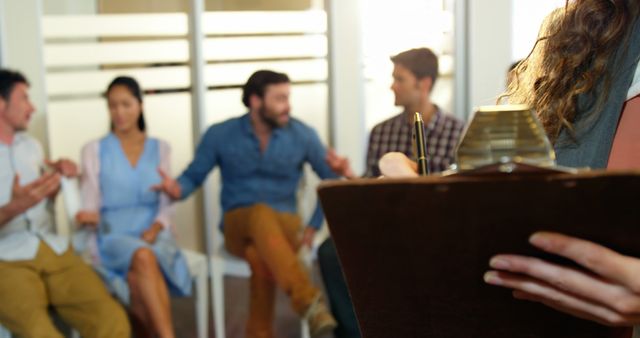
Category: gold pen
<point>420,145</point>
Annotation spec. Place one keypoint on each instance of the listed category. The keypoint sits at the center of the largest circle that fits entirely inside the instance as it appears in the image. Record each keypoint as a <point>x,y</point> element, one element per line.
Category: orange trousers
<point>268,241</point>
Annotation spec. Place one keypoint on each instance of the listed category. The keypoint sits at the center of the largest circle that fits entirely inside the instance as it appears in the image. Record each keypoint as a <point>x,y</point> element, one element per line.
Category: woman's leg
<point>153,291</point>
<point>141,323</point>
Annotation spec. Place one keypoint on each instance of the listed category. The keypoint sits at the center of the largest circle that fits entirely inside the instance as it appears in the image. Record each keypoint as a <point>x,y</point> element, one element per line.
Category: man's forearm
<point>7,213</point>
<point>54,194</point>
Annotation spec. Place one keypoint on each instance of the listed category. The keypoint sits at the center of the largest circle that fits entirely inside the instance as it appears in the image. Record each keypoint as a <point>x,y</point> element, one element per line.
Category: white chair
<point>225,264</point>
<point>197,262</point>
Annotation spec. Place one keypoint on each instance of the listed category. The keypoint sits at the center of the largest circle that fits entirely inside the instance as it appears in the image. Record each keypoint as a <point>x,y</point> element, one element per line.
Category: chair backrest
<point>307,198</point>
<point>84,239</point>
<point>72,199</point>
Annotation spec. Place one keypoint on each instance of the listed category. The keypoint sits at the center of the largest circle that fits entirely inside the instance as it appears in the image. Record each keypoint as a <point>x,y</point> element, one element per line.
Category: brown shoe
<point>319,318</point>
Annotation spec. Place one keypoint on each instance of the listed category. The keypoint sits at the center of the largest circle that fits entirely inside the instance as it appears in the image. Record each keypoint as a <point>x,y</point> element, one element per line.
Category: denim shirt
<point>250,176</point>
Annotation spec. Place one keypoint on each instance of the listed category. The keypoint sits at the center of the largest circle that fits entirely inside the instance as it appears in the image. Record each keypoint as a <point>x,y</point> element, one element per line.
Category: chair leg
<point>307,260</point>
<point>202,300</point>
<point>304,329</point>
<point>4,333</point>
<point>217,285</point>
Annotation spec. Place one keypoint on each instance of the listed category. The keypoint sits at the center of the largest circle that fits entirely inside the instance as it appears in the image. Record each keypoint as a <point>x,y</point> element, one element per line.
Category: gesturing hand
<point>150,235</point>
<point>338,164</point>
<point>88,218</point>
<point>64,167</point>
<point>168,185</point>
<point>25,197</point>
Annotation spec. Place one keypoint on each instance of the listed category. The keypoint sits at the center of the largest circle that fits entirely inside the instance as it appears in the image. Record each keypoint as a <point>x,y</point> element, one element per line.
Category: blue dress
<point>128,208</point>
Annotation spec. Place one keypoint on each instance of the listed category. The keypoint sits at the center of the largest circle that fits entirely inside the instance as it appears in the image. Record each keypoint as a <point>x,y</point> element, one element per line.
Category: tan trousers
<point>268,240</point>
<point>29,287</point>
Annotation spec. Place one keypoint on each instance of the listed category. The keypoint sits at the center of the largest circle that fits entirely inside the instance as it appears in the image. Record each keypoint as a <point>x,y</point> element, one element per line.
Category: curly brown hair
<point>573,55</point>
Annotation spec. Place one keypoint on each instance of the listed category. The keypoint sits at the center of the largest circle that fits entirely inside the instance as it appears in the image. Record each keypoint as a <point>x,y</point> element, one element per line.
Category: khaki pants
<point>29,287</point>
<point>268,240</point>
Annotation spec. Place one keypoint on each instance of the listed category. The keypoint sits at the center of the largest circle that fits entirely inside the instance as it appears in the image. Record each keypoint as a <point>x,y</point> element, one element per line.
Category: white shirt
<point>20,237</point>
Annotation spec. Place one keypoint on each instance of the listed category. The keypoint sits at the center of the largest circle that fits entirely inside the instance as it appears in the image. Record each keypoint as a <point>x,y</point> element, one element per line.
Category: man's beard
<point>270,121</point>
<point>19,128</point>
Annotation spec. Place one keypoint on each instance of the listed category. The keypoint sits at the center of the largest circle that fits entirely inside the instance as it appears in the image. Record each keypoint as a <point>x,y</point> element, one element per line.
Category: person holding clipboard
<point>589,103</point>
<point>588,100</point>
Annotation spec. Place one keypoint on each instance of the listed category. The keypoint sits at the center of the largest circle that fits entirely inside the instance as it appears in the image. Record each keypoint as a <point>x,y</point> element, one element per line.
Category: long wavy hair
<point>573,55</point>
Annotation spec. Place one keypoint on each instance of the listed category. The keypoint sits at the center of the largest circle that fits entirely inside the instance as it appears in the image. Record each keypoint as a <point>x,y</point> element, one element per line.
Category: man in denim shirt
<point>261,156</point>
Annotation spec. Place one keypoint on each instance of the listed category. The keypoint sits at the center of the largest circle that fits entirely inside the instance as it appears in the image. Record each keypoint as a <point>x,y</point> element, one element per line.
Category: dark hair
<point>421,62</point>
<point>258,81</point>
<point>134,88</point>
<point>8,80</point>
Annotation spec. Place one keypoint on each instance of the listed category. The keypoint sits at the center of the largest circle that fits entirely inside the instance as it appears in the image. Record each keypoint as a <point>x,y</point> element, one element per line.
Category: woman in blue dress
<point>135,250</point>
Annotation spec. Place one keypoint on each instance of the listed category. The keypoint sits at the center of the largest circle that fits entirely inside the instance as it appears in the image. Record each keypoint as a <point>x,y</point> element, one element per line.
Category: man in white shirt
<point>39,268</point>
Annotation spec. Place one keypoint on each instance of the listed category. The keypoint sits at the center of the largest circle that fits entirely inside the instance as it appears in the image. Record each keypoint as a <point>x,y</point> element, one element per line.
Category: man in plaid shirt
<point>414,74</point>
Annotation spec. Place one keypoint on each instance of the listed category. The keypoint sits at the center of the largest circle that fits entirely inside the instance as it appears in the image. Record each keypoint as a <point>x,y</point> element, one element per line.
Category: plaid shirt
<point>395,135</point>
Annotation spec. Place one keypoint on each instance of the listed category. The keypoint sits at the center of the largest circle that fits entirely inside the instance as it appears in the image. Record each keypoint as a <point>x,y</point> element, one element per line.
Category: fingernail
<point>499,263</point>
<point>540,240</point>
<point>491,277</point>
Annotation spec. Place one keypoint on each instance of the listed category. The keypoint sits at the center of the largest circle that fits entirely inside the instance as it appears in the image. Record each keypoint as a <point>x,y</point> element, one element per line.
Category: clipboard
<point>414,251</point>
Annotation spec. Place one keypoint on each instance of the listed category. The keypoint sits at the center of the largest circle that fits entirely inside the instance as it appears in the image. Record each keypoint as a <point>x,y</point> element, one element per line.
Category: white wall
<point>407,24</point>
<point>65,7</point>
<point>22,51</point>
<point>527,18</point>
<point>347,129</point>
<point>499,33</point>
<point>21,48</point>
<point>2,38</point>
<point>489,49</point>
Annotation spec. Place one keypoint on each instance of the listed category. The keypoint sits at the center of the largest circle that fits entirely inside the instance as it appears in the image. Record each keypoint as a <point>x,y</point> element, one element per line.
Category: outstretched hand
<point>338,164</point>
<point>64,167</point>
<point>89,219</point>
<point>151,234</point>
<point>169,186</point>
